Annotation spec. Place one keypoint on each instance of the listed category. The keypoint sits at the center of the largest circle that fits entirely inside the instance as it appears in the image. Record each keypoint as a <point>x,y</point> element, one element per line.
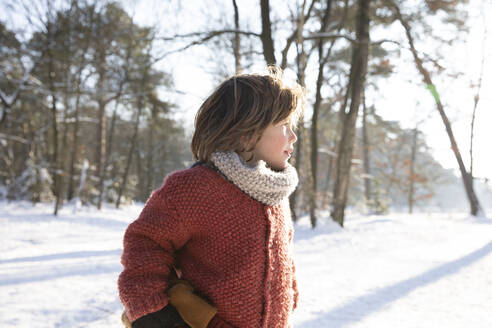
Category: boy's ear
<point>245,142</point>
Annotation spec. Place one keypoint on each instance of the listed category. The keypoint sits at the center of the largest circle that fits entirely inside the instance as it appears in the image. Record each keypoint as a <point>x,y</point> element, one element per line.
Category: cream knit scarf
<point>260,182</point>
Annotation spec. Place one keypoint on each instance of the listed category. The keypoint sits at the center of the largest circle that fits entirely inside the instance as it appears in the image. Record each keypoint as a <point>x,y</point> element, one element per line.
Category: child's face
<point>276,145</point>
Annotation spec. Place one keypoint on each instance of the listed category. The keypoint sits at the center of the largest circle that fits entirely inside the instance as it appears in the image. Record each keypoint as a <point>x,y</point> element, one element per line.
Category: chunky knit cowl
<point>259,181</point>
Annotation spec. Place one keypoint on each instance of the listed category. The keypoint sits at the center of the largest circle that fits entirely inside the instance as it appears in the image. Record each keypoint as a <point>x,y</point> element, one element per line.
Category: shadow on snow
<point>45,218</point>
<point>363,306</point>
<point>59,271</point>
<point>70,255</point>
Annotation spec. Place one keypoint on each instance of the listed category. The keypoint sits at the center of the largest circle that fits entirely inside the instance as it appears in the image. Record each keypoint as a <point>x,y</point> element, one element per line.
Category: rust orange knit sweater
<point>234,250</point>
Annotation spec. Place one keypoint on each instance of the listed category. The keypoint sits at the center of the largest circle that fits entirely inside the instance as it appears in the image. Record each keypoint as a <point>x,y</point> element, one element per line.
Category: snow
<point>397,270</point>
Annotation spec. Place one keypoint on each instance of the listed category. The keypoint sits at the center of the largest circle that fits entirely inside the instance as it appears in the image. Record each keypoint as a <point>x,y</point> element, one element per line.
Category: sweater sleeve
<point>149,245</point>
<point>218,322</point>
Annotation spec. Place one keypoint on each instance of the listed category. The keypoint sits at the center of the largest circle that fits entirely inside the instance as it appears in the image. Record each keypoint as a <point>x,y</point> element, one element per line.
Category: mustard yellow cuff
<point>195,311</point>
<point>125,320</point>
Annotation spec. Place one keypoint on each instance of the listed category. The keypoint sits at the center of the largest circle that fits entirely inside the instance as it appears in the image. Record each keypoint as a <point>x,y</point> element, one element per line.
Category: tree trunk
<point>64,146</point>
<point>301,66</point>
<point>54,157</point>
<point>365,151</point>
<point>37,186</point>
<point>101,126</point>
<point>297,164</point>
<point>237,39</point>
<point>101,150</point>
<point>150,153</point>
<point>314,150</point>
<point>475,208</point>
<point>83,175</point>
<point>109,149</point>
<point>476,99</point>
<point>33,153</point>
<point>141,194</point>
<point>130,153</point>
<point>266,33</point>
<point>472,130</point>
<point>411,178</point>
<point>314,119</point>
<point>358,70</point>
<point>75,147</point>
<point>100,64</point>
<point>328,179</point>
<point>75,143</point>
<point>8,158</point>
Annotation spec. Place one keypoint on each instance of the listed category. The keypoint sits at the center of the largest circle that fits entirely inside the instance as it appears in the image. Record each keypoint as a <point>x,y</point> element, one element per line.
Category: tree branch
<point>329,36</point>
<point>293,36</point>
<point>14,138</point>
<point>208,34</point>
<point>207,37</point>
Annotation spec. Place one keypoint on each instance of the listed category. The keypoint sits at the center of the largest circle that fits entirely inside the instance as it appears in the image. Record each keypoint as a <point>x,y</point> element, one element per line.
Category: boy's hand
<point>167,317</point>
<point>195,311</point>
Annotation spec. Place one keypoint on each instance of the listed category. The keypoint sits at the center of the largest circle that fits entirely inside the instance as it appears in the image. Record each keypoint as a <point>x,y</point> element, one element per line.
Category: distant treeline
<point>83,117</point>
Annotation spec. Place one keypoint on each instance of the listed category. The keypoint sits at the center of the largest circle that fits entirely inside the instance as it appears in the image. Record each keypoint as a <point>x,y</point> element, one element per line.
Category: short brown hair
<point>243,106</point>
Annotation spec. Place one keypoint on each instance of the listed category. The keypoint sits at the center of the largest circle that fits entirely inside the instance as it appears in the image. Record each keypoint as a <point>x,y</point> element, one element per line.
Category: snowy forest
<point>392,213</point>
<point>88,100</point>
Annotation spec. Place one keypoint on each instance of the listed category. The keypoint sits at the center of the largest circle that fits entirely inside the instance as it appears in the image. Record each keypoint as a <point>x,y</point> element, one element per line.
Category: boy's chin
<point>276,167</point>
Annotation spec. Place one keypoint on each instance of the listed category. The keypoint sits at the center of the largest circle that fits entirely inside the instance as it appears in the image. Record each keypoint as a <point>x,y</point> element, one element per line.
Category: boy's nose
<point>293,136</point>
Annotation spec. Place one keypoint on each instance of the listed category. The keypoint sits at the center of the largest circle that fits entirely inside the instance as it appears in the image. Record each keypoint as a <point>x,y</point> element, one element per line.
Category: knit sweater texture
<point>234,249</point>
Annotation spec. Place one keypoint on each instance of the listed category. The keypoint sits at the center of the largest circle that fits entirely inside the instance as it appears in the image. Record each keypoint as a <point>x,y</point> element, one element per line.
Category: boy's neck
<point>244,156</point>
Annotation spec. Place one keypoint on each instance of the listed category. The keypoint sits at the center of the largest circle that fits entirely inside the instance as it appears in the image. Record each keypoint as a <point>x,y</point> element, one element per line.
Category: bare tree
<point>133,142</point>
<point>411,178</point>
<point>156,106</point>
<point>475,208</point>
<point>80,62</point>
<point>365,151</point>
<point>73,64</point>
<point>476,99</point>
<point>110,85</point>
<point>265,37</point>
<point>301,68</point>
<point>16,68</point>
<point>360,54</point>
<point>237,39</point>
<point>295,35</point>
<point>50,39</point>
<point>266,33</point>
<point>322,61</point>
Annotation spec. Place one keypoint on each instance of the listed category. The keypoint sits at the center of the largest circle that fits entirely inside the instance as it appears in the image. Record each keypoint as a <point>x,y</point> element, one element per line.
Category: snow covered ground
<point>399,270</point>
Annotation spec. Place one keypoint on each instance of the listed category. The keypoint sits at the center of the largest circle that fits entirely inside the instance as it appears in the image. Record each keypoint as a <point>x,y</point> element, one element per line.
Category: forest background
<point>98,97</point>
